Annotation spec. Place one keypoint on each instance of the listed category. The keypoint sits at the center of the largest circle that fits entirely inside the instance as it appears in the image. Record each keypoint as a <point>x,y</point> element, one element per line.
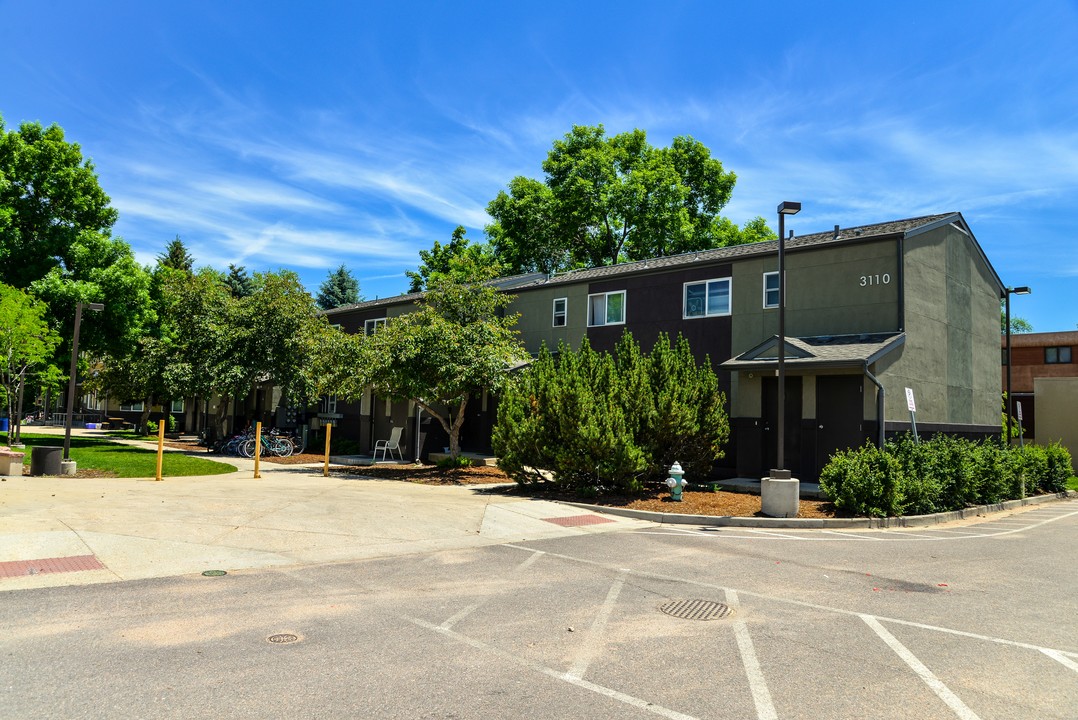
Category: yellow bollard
<point>258,448</point>
<point>329,431</point>
<point>160,447</point>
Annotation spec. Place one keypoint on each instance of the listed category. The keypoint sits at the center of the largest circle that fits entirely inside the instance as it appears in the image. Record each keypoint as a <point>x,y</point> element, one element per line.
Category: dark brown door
<point>839,415</point>
<point>770,413</point>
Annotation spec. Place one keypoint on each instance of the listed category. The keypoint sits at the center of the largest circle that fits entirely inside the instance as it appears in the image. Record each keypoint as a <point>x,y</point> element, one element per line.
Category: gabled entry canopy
<point>819,352</point>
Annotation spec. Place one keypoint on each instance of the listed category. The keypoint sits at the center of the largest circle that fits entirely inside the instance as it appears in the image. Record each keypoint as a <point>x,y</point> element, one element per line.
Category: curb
<point>906,521</point>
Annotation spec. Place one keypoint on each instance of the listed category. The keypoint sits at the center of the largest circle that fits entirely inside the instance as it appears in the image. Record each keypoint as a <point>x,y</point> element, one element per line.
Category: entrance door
<point>770,414</point>
<point>839,415</point>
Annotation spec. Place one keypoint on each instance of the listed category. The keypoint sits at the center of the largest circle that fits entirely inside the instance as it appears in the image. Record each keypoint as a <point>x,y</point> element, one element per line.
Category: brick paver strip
<point>577,520</point>
<point>76,563</point>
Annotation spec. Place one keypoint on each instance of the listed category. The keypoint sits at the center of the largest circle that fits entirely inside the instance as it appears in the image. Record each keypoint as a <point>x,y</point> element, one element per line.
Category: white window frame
<point>172,407</point>
<point>133,407</point>
<point>606,308</point>
<point>327,404</point>
<point>707,292</point>
<point>767,305</point>
<point>370,327</point>
<point>563,315</point>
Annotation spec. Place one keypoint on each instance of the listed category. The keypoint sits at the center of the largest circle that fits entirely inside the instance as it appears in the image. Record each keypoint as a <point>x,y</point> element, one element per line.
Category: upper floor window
<point>771,290</point>
<point>370,327</point>
<point>1057,355</point>
<point>176,406</point>
<point>133,407</point>
<point>606,309</point>
<point>560,307</point>
<point>707,298</point>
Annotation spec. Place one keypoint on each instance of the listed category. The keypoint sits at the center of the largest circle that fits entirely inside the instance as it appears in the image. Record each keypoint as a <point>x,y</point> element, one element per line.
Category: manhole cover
<point>695,609</point>
<point>214,573</point>
<point>281,638</point>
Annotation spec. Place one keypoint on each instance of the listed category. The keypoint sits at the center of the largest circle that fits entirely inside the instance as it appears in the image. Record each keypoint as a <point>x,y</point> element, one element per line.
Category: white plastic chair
<point>393,443</point>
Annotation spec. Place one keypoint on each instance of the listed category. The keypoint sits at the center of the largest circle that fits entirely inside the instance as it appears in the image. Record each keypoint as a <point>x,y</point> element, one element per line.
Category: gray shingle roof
<point>819,351</point>
<point>530,280</point>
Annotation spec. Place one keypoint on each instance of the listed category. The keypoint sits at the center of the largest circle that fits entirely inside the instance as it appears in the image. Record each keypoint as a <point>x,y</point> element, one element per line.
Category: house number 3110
<point>867,280</point>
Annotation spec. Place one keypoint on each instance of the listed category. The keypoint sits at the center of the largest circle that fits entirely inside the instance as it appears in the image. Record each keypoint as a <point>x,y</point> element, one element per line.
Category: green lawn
<point>1072,484</point>
<point>124,460</point>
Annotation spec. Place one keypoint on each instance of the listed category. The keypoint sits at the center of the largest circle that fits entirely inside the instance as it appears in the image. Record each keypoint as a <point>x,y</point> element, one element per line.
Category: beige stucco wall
<point>1057,413</point>
<point>951,358</point>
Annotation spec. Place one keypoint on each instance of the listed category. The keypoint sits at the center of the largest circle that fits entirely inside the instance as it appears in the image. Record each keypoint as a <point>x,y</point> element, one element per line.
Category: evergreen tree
<point>338,289</point>
<point>177,257</point>
<point>597,420</point>
<point>238,282</point>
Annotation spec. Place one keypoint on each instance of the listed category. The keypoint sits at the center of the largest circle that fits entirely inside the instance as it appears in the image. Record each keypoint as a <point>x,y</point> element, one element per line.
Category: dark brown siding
<point>653,304</point>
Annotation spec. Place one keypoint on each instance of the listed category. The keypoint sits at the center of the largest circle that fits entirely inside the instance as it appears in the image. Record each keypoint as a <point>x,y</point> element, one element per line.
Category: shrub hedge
<point>941,474</point>
<point>595,420</point>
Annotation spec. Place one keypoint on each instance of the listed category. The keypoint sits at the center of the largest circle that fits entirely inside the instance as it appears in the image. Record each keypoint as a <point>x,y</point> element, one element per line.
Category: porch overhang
<point>816,353</point>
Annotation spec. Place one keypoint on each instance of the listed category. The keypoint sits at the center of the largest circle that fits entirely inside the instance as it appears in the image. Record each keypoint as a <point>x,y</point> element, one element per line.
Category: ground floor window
<point>606,309</point>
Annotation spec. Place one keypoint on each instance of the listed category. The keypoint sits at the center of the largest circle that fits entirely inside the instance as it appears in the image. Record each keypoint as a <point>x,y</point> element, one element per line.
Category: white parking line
<point>851,536</point>
<point>465,612</point>
<point>761,696</point>
<point>1061,658</point>
<point>550,672</point>
<point>593,640</point>
<point>942,691</point>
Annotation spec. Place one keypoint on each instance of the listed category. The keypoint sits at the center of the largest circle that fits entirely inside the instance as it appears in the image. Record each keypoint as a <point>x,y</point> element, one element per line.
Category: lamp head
<point>789,208</point>
<point>1023,290</point>
<point>96,307</point>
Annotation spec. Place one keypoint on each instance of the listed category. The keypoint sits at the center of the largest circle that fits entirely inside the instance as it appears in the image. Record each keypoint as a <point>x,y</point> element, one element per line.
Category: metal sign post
<point>913,413</point>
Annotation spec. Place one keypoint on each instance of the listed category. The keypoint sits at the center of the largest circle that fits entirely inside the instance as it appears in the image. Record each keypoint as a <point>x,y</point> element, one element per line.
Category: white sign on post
<point>1019,411</point>
<point>909,400</point>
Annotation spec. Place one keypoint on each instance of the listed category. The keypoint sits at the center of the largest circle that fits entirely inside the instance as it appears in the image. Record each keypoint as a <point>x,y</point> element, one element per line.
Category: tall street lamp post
<point>96,307</point>
<point>784,209</point>
<point>1023,290</point>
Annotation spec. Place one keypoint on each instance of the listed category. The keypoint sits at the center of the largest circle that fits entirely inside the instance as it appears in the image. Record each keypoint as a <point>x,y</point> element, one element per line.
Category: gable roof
<point>818,352</point>
<point>908,227</point>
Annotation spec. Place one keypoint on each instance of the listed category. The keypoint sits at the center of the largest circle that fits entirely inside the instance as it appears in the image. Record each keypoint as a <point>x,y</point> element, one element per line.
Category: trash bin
<point>45,460</point>
<point>3,424</point>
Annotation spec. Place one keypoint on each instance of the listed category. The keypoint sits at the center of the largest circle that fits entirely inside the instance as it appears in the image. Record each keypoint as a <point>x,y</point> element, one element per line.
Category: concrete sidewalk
<point>65,531</point>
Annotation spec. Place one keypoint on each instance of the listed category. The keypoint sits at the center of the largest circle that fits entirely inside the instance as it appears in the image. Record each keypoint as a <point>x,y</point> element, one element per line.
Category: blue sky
<point>307,135</point>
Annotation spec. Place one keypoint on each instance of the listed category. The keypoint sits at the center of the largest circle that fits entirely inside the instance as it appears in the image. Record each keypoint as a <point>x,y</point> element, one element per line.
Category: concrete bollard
<point>780,494</point>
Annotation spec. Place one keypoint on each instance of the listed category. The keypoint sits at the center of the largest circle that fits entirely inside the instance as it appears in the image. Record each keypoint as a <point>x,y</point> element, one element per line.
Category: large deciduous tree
<point>55,242</point>
<point>606,200</point>
<point>25,342</point>
<point>49,198</point>
<point>456,344</point>
<point>459,260</point>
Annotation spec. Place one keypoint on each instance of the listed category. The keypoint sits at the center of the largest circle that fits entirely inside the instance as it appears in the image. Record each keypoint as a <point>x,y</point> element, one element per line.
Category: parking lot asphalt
<point>973,620</point>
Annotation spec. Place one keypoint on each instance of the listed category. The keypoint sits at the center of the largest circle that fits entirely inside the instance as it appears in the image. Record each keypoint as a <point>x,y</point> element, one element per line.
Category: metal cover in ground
<point>280,638</point>
<point>695,609</point>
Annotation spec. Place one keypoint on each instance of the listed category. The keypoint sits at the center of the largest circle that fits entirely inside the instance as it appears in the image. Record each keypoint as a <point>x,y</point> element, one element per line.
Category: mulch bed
<point>721,503</point>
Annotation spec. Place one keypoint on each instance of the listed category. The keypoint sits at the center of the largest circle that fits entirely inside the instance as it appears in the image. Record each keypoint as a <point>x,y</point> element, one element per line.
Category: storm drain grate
<point>695,609</point>
<point>282,638</point>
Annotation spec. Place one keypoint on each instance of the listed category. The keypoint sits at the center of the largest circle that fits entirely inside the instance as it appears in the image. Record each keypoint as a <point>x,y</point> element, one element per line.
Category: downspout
<point>418,415</point>
<point>880,439</point>
<point>901,284</point>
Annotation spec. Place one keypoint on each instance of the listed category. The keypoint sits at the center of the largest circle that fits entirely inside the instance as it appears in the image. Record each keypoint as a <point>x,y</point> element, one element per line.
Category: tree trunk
<point>145,416</point>
<point>451,424</point>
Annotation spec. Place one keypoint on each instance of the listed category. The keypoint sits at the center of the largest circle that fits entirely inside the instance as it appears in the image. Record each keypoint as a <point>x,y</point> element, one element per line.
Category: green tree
<point>456,344</point>
<point>55,242</point>
<point>338,289</point>
<point>238,282</point>
<point>177,257</point>
<point>611,421</point>
<point>459,260</point>
<point>1018,325</point>
<point>611,199</point>
<point>49,199</point>
<point>25,342</point>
